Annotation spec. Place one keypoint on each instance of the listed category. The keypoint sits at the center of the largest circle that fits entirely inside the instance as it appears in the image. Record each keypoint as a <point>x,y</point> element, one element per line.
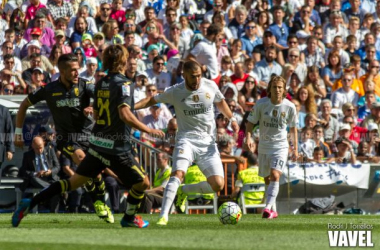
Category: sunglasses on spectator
<point>115,28</point>
<point>19,33</point>
<point>250,27</point>
<point>129,16</point>
<point>105,9</point>
<point>373,67</point>
<point>8,91</point>
<point>160,64</point>
<point>293,56</point>
<point>98,37</point>
<point>175,28</point>
<point>306,12</point>
<point>346,80</point>
<point>151,90</point>
<point>293,42</point>
<point>128,25</point>
<point>252,82</point>
<point>350,109</point>
<point>9,62</point>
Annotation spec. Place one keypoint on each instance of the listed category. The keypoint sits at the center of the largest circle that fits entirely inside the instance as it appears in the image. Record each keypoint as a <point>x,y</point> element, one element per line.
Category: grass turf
<point>86,231</point>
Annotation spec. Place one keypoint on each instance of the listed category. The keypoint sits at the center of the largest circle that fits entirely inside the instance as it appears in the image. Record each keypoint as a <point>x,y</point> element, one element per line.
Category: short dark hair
<point>214,29</point>
<point>317,149</point>
<point>158,58</point>
<point>8,56</point>
<point>191,65</point>
<point>251,159</point>
<point>170,9</point>
<point>65,59</point>
<point>34,55</point>
<point>318,126</point>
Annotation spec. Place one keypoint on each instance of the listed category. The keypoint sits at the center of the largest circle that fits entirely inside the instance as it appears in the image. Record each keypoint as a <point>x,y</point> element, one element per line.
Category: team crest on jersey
<point>283,114</point>
<point>274,112</point>
<point>127,83</point>
<point>195,98</point>
<point>180,151</point>
<point>208,96</point>
<point>76,92</point>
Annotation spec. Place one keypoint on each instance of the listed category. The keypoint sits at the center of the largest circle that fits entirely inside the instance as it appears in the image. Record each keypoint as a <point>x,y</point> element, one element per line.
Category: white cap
<point>344,126</point>
<point>91,60</point>
<point>34,43</point>
<point>372,126</point>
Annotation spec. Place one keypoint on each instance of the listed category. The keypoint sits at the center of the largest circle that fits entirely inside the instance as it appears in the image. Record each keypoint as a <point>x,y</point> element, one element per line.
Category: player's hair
<point>214,29</point>
<point>65,59</point>
<point>273,79</point>
<point>115,58</point>
<point>191,65</point>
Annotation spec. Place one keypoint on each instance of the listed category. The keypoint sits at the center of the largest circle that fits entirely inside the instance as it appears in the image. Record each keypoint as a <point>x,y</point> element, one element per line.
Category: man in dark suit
<point>40,168</point>
<point>7,147</point>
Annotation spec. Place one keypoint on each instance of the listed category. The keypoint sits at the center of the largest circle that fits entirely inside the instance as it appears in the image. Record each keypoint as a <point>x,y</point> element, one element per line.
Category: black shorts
<point>68,147</point>
<point>124,166</point>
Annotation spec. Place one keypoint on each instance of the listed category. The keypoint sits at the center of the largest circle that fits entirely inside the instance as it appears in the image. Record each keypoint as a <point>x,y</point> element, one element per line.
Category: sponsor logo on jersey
<point>274,112</point>
<point>101,142</point>
<point>208,96</point>
<point>195,98</point>
<point>71,103</point>
<point>57,94</point>
<point>105,84</point>
<point>76,92</point>
<point>100,157</point>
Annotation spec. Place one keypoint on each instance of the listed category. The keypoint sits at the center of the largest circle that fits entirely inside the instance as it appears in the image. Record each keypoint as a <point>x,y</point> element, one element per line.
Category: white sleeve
<point>167,96</point>
<point>197,50</point>
<point>218,95</point>
<point>292,119</point>
<point>254,115</point>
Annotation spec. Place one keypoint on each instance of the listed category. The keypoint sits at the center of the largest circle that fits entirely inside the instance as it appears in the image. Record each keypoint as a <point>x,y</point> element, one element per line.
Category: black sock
<point>133,203</point>
<point>100,189</point>
<point>56,188</point>
<point>90,189</point>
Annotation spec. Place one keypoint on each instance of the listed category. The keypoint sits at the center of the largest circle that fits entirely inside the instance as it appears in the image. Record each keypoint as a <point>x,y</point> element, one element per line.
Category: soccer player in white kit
<point>193,101</point>
<point>274,114</point>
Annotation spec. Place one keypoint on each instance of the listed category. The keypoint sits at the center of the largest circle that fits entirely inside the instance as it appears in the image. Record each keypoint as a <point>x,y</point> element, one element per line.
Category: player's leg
<point>277,163</point>
<point>54,189</point>
<point>94,186</point>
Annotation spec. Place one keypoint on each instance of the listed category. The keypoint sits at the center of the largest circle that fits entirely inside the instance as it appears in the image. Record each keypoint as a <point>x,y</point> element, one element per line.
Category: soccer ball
<point>229,213</point>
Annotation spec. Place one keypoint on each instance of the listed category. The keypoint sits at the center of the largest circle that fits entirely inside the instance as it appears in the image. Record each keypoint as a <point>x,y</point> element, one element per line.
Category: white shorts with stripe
<point>275,160</point>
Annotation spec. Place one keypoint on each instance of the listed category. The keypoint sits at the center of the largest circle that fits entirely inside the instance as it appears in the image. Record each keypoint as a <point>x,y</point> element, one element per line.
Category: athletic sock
<point>133,203</point>
<point>100,189</point>
<point>202,187</point>
<point>273,189</point>
<point>274,207</point>
<point>90,188</point>
<point>169,195</point>
<point>55,188</point>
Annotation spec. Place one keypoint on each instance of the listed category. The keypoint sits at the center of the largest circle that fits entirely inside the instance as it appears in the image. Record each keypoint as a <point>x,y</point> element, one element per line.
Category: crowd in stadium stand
<point>328,52</point>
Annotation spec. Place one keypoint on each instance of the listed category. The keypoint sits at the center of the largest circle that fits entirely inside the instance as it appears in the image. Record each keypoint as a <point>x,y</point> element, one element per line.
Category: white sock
<point>266,193</point>
<point>273,189</point>
<point>169,195</point>
<point>201,187</point>
<point>274,207</point>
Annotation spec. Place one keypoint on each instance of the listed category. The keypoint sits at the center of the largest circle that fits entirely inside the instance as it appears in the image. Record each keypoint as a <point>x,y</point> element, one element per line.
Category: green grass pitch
<point>86,231</point>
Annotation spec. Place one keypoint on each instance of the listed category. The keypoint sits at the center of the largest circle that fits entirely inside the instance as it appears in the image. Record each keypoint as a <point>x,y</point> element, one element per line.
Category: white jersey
<point>194,109</point>
<point>274,119</point>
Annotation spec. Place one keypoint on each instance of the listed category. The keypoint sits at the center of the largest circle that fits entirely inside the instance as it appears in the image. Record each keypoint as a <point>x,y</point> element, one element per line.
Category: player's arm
<point>129,118</point>
<point>294,137</point>
<point>20,122</point>
<point>146,102</point>
<point>223,107</point>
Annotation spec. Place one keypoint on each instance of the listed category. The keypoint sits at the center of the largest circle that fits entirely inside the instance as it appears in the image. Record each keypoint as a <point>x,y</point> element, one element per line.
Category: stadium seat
<point>251,188</point>
<point>213,205</point>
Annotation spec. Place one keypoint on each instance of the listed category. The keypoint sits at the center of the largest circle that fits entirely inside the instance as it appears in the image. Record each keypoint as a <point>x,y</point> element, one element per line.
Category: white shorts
<point>203,151</point>
<point>276,161</point>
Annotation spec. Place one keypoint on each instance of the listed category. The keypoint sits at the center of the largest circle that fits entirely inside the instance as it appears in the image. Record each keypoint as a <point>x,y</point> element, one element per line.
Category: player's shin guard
<point>272,193</point>
<point>169,195</point>
<point>57,187</point>
<point>133,203</point>
<point>202,187</point>
<point>100,189</point>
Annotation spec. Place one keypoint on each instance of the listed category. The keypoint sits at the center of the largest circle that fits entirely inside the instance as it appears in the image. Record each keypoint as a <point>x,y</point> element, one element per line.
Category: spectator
<point>357,132</point>
<point>345,152</point>
<point>79,52</point>
<point>345,132</point>
<point>135,11</point>
<point>305,96</point>
<point>141,81</point>
<point>329,123</point>
<point>60,41</point>
<point>248,93</point>
<point>334,28</point>
<point>239,75</point>
<point>364,155</point>
<point>372,75</point>
<point>332,71</point>
<point>60,8</point>
<point>236,54</point>
<point>250,39</point>
<point>205,53</point>
<point>81,28</point>
<point>47,37</point>
<point>300,67</point>
<point>237,24</point>
<point>267,67</point>
<point>345,94</point>
<point>105,12</point>
<point>31,10</point>
<point>315,81</point>
<point>171,18</point>
<point>301,115</point>
<point>319,157</point>
<point>307,144</point>
<point>278,28</point>
<point>259,51</point>
<point>36,62</point>
<point>304,22</point>
<point>118,13</point>
<point>374,117</point>
<point>111,33</point>
<point>131,28</point>
<point>318,138</point>
<point>19,41</point>
<point>186,31</point>
<point>15,76</point>
<point>39,168</point>
<point>313,54</point>
<point>89,74</point>
<point>7,49</point>
<point>176,42</point>
<point>153,197</point>
<point>158,76</point>
<point>37,78</point>
<point>226,69</point>
<point>294,86</point>
<point>135,52</point>
<point>365,110</point>
<point>218,7</point>
<point>263,22</point>
<point>84,13</point>
<point>150,15</point>
<point>356,85</point>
